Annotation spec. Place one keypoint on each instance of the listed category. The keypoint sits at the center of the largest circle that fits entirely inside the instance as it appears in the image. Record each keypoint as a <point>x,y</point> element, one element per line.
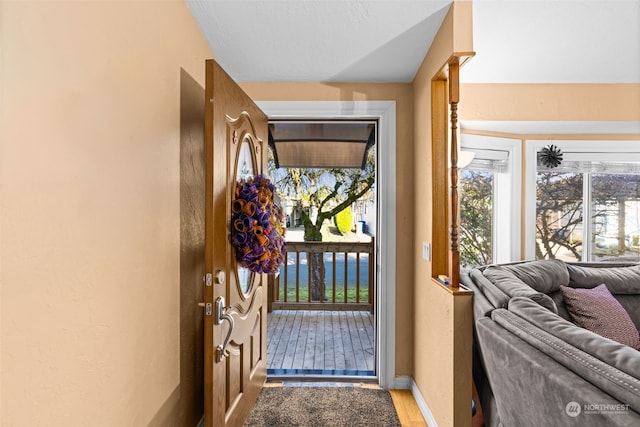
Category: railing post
<point>333,278</point>
<point>270,284</point>
<point>309,276</point>
<point>357,277</point>
<point>322,278</point>
<point>346,277</point>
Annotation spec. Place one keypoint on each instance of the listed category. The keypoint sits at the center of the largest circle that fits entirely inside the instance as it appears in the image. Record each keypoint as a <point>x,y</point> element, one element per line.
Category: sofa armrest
<point>492,293</point>
<point>618,384</point>
<point>532,389</point>
<point>481,304</point>
<point>610,352</point>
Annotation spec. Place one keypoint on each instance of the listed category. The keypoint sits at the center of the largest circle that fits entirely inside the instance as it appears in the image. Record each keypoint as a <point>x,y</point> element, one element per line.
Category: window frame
<point>605,150</point>
<point>507,188</point>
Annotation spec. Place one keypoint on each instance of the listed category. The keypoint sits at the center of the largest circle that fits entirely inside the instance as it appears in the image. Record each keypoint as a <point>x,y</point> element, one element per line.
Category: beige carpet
<point>311,406</point>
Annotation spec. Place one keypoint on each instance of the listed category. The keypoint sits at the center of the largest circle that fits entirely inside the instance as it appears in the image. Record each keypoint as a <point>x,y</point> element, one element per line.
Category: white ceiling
<point>568,41</point>
<point>516,41</point>
<point>319,40</point>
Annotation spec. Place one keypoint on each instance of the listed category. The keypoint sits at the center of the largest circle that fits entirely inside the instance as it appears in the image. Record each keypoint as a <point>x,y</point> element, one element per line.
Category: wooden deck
<point>311,342</point>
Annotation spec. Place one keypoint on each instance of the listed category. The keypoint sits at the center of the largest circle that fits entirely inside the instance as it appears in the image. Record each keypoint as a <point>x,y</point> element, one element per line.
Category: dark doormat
<point>323,406</point>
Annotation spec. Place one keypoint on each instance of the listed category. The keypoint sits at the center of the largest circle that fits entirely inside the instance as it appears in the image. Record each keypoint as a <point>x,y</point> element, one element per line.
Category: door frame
<point>385,113</point>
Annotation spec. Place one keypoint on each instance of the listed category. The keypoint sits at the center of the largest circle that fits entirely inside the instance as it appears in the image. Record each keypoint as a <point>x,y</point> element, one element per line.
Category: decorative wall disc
<point>550,156</point>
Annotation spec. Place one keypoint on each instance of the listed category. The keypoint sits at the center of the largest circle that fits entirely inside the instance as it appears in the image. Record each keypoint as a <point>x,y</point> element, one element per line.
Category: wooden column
<point>456,305</point>
<point>440,178</point>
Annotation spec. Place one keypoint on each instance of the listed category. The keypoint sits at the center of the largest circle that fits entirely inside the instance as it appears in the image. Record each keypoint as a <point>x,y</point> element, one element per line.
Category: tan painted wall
<point>550,102</point>
<point>440,368</point>
<point>90,199</point>
<point>401,93</point>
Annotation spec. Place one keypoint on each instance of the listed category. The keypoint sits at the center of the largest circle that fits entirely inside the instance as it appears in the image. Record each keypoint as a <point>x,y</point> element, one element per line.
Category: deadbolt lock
<point>220,277</point>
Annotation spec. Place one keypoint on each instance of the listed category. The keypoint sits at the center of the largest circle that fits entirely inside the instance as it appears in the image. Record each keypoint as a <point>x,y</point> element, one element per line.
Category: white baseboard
<point>407,383</point>
<point>401,383</point>
<point>422,404</point>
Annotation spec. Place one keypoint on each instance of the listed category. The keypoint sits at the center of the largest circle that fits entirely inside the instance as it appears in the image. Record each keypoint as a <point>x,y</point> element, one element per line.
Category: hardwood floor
<point>408,412</point>
<point>320,342</point>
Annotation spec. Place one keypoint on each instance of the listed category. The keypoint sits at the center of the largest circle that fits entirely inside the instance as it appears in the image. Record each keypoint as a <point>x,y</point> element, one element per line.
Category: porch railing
<point>348,269</point>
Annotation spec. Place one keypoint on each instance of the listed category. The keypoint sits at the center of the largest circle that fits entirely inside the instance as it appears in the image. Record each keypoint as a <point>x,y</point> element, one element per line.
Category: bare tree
<point>476,218</point>
<point>329,191</point>
<point>558,213</point>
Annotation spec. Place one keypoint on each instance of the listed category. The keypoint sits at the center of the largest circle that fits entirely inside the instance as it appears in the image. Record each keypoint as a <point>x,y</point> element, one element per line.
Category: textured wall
<point>90,221</point>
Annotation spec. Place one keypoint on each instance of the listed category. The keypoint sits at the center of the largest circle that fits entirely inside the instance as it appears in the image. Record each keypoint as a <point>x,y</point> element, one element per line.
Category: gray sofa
<point>532,365</point>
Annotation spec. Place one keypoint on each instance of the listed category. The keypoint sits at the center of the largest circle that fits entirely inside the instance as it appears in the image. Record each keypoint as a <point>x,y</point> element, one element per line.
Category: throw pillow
<point>597,310</point>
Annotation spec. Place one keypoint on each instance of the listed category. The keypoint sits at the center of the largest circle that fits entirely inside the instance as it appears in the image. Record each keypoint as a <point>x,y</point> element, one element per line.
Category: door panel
<point>235,332</point>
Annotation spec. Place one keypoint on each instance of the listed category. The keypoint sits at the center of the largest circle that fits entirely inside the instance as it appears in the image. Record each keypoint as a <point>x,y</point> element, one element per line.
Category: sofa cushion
<point>631,304</point>
<point>559,300</point>
<point>619,280</point>
<point>597,310</point>
<point>511,285</point>
<point>544,276</point>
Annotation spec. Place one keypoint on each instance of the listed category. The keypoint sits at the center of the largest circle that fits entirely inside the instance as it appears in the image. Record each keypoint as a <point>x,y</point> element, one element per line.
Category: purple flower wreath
<point>256,226</point>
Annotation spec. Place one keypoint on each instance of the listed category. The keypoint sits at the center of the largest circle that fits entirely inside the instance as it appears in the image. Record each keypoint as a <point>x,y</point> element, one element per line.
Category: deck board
<point>320,340</point>
<point>319,348</point>
<point>296,328</point>
<point>340,361</point>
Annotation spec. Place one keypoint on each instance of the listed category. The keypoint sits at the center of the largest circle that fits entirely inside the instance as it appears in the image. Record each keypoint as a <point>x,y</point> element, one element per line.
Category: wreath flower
<point>257,233</point>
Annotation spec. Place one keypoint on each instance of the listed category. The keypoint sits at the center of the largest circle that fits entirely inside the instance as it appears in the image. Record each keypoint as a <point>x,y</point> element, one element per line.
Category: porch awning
<point>314,144</point>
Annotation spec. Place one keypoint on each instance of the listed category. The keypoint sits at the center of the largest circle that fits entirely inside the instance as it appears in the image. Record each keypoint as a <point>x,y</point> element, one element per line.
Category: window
<point>489,199</point>
<point>587,208</point>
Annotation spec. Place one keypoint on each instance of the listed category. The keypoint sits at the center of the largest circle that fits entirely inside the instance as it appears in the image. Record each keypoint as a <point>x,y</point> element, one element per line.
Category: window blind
<point>612,163</point>
<point>488,160</point>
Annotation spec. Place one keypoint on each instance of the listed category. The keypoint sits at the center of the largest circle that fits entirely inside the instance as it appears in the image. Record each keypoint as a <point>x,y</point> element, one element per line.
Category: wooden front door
<point>235,299</point>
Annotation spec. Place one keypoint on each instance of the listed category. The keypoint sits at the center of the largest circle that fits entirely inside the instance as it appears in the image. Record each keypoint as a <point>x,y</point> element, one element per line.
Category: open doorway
<point>385,113</point>
<point>321,320</point>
